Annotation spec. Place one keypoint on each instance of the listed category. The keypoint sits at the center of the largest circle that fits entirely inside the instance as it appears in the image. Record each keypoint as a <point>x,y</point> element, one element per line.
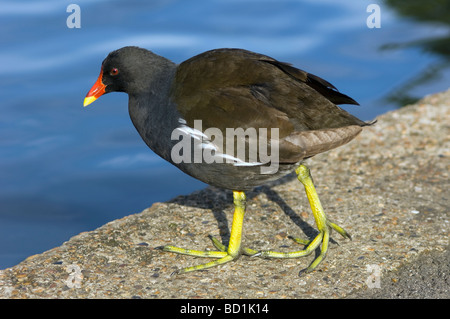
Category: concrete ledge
<point>388,188</point>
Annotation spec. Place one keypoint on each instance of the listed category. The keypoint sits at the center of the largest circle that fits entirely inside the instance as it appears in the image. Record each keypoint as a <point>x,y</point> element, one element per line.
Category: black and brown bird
<point>184,114</point>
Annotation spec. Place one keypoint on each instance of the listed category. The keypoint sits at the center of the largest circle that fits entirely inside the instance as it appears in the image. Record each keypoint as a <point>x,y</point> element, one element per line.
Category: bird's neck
<point>153,114</point>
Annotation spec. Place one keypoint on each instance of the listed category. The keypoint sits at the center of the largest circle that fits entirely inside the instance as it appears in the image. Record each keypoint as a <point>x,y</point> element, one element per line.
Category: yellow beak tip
<point>88,100</point>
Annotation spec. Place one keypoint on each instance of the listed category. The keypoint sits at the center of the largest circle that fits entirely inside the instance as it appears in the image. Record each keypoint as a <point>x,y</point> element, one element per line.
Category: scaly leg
<point>234,250</point>
<point>322,222</point>
<point>225,254</point>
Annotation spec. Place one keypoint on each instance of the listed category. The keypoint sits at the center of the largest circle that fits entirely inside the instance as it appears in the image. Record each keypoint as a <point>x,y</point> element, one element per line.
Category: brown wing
<point>230,88</point>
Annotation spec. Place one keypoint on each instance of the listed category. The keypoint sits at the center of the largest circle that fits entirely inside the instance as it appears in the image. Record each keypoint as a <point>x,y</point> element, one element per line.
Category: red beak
<point>97,90</point>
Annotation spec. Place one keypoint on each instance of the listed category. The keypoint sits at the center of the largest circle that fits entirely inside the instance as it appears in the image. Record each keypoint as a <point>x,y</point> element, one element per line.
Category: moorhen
<point>234,119</point>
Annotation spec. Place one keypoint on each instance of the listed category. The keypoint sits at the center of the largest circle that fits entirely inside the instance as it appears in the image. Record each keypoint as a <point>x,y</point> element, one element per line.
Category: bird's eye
<point>114,71</point>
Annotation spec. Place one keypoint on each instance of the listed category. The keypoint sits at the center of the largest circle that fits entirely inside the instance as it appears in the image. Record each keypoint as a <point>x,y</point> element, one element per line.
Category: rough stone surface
<point>389,188</point>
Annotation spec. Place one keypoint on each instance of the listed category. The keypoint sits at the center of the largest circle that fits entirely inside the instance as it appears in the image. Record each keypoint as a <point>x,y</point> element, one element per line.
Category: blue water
<point>65,169</point>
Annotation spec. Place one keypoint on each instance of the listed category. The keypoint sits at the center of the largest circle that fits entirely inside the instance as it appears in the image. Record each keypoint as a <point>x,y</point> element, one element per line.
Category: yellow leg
<point>324,226</point>
<point>225,254</point>
<point>222,247</point>
<point>234,249</point>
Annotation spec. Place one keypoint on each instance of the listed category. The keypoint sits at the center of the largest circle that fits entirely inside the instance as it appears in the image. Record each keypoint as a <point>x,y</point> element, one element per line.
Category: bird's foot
<point>223,256</point>
<point>322,238</point>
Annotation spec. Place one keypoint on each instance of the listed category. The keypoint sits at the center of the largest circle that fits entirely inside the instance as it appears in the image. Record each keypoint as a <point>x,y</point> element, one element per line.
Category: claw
<point>303,272</point>
<point>225,254</point>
